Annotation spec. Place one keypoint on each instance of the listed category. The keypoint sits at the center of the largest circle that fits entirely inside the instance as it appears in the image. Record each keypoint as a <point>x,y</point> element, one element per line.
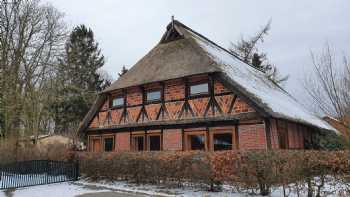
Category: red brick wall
<point>122,142</point>
<point>172,139</point>
<point>252,137</point>
<point>134,96</point>
<point>219,88</point>
<point>94,122</point>
<point>102,117</point>
<point>174,90</point>
<point>241,107</point>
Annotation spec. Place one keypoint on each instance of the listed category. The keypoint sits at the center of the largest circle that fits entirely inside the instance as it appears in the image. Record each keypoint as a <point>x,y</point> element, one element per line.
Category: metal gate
<point>37,172</point>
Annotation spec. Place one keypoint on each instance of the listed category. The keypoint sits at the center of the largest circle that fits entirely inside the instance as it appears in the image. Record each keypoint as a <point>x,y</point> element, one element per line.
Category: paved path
<point>110,194</point>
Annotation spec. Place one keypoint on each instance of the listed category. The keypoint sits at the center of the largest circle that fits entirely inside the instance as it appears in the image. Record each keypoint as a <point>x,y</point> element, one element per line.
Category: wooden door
<point>96,145</point>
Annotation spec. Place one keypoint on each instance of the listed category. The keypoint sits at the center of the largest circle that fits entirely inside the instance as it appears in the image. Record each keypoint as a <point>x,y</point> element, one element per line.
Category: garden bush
<point>297,171</point>
<point>12,150</point>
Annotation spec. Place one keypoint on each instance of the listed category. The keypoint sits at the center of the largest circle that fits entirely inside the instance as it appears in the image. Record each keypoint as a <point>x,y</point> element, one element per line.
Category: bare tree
<point>329,85</point>
<point>32,35</point>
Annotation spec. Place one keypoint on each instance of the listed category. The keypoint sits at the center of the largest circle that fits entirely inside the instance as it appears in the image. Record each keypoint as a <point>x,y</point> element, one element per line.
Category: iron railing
<point>37,172</point>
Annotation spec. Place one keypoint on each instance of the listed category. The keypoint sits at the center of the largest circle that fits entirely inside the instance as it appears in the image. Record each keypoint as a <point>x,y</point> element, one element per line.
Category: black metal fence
<point>37,172</point>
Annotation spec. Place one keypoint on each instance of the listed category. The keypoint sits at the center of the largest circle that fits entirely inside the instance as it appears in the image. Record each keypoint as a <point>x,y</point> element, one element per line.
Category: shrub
<point>149,167</point>
<point>250,171</point>
<point>11,150</point>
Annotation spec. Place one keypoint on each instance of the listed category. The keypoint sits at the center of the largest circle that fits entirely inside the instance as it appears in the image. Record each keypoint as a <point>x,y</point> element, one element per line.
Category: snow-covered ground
<point>66,189</point>
<point>123,189</point>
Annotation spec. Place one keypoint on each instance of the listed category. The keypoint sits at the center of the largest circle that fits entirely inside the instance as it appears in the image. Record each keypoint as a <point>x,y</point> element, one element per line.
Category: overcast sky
<point>127,30</point>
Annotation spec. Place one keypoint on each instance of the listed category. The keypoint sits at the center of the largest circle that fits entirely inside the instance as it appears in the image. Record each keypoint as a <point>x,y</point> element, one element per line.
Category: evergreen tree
<point>248,51</point>
<point>79,77</point>
<point>123,71</point>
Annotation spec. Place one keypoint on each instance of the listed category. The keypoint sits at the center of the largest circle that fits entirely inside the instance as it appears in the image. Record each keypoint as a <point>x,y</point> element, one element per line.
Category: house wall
<point>172,139</point>
<point>139,111</point>
<point>222,103</point>
<point>252,136</point>
<point>296,134</point>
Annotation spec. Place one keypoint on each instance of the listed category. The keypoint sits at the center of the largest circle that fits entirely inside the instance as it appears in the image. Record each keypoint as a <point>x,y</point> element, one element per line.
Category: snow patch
<point>53,190</point>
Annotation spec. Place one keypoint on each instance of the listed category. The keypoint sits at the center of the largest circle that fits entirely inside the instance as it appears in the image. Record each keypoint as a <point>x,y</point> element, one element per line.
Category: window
<point>195,139</point>
<point>153,95</point>
<point>222,141</point>
<point>138,143</point>
<point>202,88</point>
<point>154,142</point>
<point>119,101</point>
<point>197,142</point>
<point>108,144</point>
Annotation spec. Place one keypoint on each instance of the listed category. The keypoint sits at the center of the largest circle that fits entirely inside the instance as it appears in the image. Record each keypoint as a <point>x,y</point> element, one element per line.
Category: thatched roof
<point>168,60</point>
<point>183,52</point>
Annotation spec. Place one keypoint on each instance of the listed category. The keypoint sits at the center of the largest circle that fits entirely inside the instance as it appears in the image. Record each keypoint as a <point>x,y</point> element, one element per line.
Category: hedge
<point>249,171</point>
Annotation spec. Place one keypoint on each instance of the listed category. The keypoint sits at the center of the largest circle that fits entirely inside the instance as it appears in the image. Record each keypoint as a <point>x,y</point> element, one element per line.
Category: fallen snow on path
<point>154,190</point>
<point>53,190</point>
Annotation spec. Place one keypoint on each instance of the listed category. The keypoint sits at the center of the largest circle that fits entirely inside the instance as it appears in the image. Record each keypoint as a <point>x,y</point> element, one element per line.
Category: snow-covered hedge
<point>252,171</point>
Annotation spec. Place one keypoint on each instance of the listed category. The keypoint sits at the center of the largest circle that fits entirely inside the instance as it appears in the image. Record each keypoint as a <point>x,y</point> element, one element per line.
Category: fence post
<point>77,172</point>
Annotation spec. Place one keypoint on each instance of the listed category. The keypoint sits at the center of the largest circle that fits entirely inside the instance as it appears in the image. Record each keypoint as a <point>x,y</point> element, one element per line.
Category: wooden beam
<point>268,132</point>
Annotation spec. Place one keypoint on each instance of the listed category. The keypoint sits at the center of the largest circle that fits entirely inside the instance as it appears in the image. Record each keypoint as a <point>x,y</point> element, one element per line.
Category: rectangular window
<point>197,142</point>
<point>108,144</point>
<point>154,142</point>
<point>138,143</point>
<point>202,88</point>
<point>222,141</point>
<point>153,95</point>
<point>119,101</point>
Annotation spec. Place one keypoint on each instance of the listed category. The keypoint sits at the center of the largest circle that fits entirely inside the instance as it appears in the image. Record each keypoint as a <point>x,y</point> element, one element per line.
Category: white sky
<point>127,30</point>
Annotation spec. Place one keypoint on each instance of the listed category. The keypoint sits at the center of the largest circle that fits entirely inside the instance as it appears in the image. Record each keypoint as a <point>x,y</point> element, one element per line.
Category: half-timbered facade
<point>188,93</point>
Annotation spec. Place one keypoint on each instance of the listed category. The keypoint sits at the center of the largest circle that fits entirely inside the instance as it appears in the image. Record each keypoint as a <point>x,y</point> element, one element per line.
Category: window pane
<point>200,88</point>
<point>118,102</point>
<point>222,141</point>
<point>155,95</point>
<point>108,144</point>
<point>197,142</point>
<point>154,143</point>
<point>138,143</point>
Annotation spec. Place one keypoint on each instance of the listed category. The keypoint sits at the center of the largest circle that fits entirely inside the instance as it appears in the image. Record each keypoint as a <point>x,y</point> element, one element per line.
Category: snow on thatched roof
<point>267,94</point>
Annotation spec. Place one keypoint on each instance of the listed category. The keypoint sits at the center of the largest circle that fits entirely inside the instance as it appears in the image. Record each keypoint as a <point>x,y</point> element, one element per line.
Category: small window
<point>119,101</point>
<point>108,144</point>
<point>153,96</point>
<point>197,142</point>
<point>199,89</point>
<point>222,141</point>
<point>154,143</point>
<point>138,143</point>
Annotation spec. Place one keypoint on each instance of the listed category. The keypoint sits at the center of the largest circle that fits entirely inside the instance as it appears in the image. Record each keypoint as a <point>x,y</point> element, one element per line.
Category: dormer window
<point>153,95</point>
<point>197,89</point>
<point>117,102</point>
